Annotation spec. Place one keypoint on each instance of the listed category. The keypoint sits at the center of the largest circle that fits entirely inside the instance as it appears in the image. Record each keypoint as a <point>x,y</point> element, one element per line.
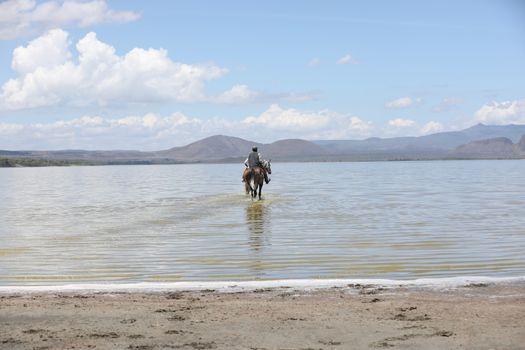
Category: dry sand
<point>355,317</point>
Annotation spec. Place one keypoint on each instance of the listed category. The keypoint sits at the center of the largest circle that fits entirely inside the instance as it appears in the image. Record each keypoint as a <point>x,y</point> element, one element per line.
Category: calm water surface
<point>398,220</point>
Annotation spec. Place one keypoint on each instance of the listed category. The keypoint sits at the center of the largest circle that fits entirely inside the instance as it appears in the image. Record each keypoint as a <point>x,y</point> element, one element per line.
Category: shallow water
<point>168,223</point>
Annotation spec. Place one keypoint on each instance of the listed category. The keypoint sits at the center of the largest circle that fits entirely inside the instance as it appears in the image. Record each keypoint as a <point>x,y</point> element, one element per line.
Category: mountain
<point>439,142</point>
<point>521,145</point>
<point>499,147</point>
<point>212,148</point>
<point>217,148</point>
<point>479,141</point>
<point>292,148</point>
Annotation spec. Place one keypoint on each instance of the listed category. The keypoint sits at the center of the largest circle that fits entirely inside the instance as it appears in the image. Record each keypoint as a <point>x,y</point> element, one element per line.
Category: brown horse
<point>254,178</point>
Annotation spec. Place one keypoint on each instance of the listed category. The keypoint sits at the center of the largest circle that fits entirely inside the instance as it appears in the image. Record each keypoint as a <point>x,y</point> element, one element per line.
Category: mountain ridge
<point>442,141</point>
<point>222,148</point>
<point>498,147</point>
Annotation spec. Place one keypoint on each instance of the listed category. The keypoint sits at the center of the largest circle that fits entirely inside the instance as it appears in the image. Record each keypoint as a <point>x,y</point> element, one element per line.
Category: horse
<point>254,178</point>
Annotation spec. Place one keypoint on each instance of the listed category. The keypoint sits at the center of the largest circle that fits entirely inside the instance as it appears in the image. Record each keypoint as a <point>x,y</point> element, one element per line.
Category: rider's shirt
<point>254,160</point>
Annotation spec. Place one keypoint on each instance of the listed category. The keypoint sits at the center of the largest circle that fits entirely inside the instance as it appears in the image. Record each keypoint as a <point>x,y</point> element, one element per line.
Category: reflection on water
<point>257,221</point>
<point>397,220</point>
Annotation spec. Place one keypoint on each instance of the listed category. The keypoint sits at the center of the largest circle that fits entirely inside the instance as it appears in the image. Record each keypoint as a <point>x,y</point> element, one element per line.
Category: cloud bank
<point>20,18</point>
<point>47,75</point>
<point>401,123</point>
<point>402,102</point>
<point>153,132</point>
<point>500,113</point>
<point>404,127</point>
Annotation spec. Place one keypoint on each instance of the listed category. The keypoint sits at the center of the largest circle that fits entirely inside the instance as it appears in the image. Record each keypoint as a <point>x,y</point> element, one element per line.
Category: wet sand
<point>478,316</point>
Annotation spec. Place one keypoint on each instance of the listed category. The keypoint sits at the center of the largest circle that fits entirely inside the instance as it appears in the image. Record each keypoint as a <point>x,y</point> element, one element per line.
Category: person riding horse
<point>254,160</point>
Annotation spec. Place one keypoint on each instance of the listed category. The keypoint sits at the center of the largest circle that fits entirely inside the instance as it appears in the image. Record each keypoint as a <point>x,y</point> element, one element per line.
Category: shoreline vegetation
<point>356,316</point>
<point>33,162</point>
<point>16,162</point>
<point>8,162</point>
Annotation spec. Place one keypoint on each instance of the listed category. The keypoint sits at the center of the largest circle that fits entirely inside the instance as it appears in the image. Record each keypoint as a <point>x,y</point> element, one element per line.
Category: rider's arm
<point>246,162</point>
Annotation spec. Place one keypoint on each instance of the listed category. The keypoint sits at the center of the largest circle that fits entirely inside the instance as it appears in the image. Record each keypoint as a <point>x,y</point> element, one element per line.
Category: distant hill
<point>217,148</point>
<point>209,149</point>
<point>499,147</point>
<point>443,141</point>
<point>479,141</point>
<point>221,147</point>
<point>292,148</point>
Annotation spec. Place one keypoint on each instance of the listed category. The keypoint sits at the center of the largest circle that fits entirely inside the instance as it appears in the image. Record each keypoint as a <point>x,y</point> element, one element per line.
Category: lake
<point>168,223</point>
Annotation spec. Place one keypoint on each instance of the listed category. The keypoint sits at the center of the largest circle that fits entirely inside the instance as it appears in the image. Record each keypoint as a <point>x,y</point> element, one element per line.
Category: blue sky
<point>149,75</point>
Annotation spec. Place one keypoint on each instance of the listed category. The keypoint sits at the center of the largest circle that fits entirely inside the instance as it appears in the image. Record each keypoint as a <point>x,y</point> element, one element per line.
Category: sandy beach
<point>477,316</point>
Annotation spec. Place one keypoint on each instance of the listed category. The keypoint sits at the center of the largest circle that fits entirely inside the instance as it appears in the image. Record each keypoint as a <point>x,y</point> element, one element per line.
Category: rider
<point>254,160</point>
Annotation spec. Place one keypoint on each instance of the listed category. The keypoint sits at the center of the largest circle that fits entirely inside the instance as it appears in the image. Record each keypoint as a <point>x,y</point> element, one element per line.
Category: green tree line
<point>35,162</point>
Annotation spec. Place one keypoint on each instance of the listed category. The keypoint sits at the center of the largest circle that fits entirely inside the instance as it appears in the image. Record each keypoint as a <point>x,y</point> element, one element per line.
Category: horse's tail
<point>251,183</point>
<point>249,180</point>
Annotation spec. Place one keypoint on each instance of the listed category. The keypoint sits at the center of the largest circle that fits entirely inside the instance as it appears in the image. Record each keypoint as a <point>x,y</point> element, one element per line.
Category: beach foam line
<point>240,286</point>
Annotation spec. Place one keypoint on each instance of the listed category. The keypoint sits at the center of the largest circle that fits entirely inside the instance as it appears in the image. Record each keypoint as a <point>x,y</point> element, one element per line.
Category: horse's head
<point>267,164</point>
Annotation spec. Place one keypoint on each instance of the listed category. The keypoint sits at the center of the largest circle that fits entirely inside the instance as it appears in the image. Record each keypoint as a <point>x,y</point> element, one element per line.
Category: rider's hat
<point>254,148</point>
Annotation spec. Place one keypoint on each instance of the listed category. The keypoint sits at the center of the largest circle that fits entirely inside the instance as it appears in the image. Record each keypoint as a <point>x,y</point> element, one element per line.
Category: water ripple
<point>397,220</point>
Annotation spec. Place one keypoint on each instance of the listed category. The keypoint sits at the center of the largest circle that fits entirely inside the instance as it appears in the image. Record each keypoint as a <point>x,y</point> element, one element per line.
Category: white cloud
<point>154,132</point>
<point>431,127</point>
<point>447,104</point>
<point>309,125</point>
<point>346,59</point>
<point>402,102</point>
<point>288,97</point>
<point>27,17</point>
<point>48,75</point>
<point>149,131</point>
<point>51,50</point>
<point>405,127</point>
<point>277,118</point>
<point>10,129</point>
<point>314,62</point>
<point>401,123</point>
<point>238,94</point>
<point>507,112</point>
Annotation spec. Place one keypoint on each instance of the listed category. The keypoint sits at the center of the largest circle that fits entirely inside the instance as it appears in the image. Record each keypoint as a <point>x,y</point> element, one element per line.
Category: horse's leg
<point>260,189</point>
<point>253,188</point>
<point>254,193</point>
<point>248,182</point>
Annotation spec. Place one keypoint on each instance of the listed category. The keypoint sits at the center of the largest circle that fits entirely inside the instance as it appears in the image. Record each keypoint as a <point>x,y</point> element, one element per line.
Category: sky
<point>151,75</point>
